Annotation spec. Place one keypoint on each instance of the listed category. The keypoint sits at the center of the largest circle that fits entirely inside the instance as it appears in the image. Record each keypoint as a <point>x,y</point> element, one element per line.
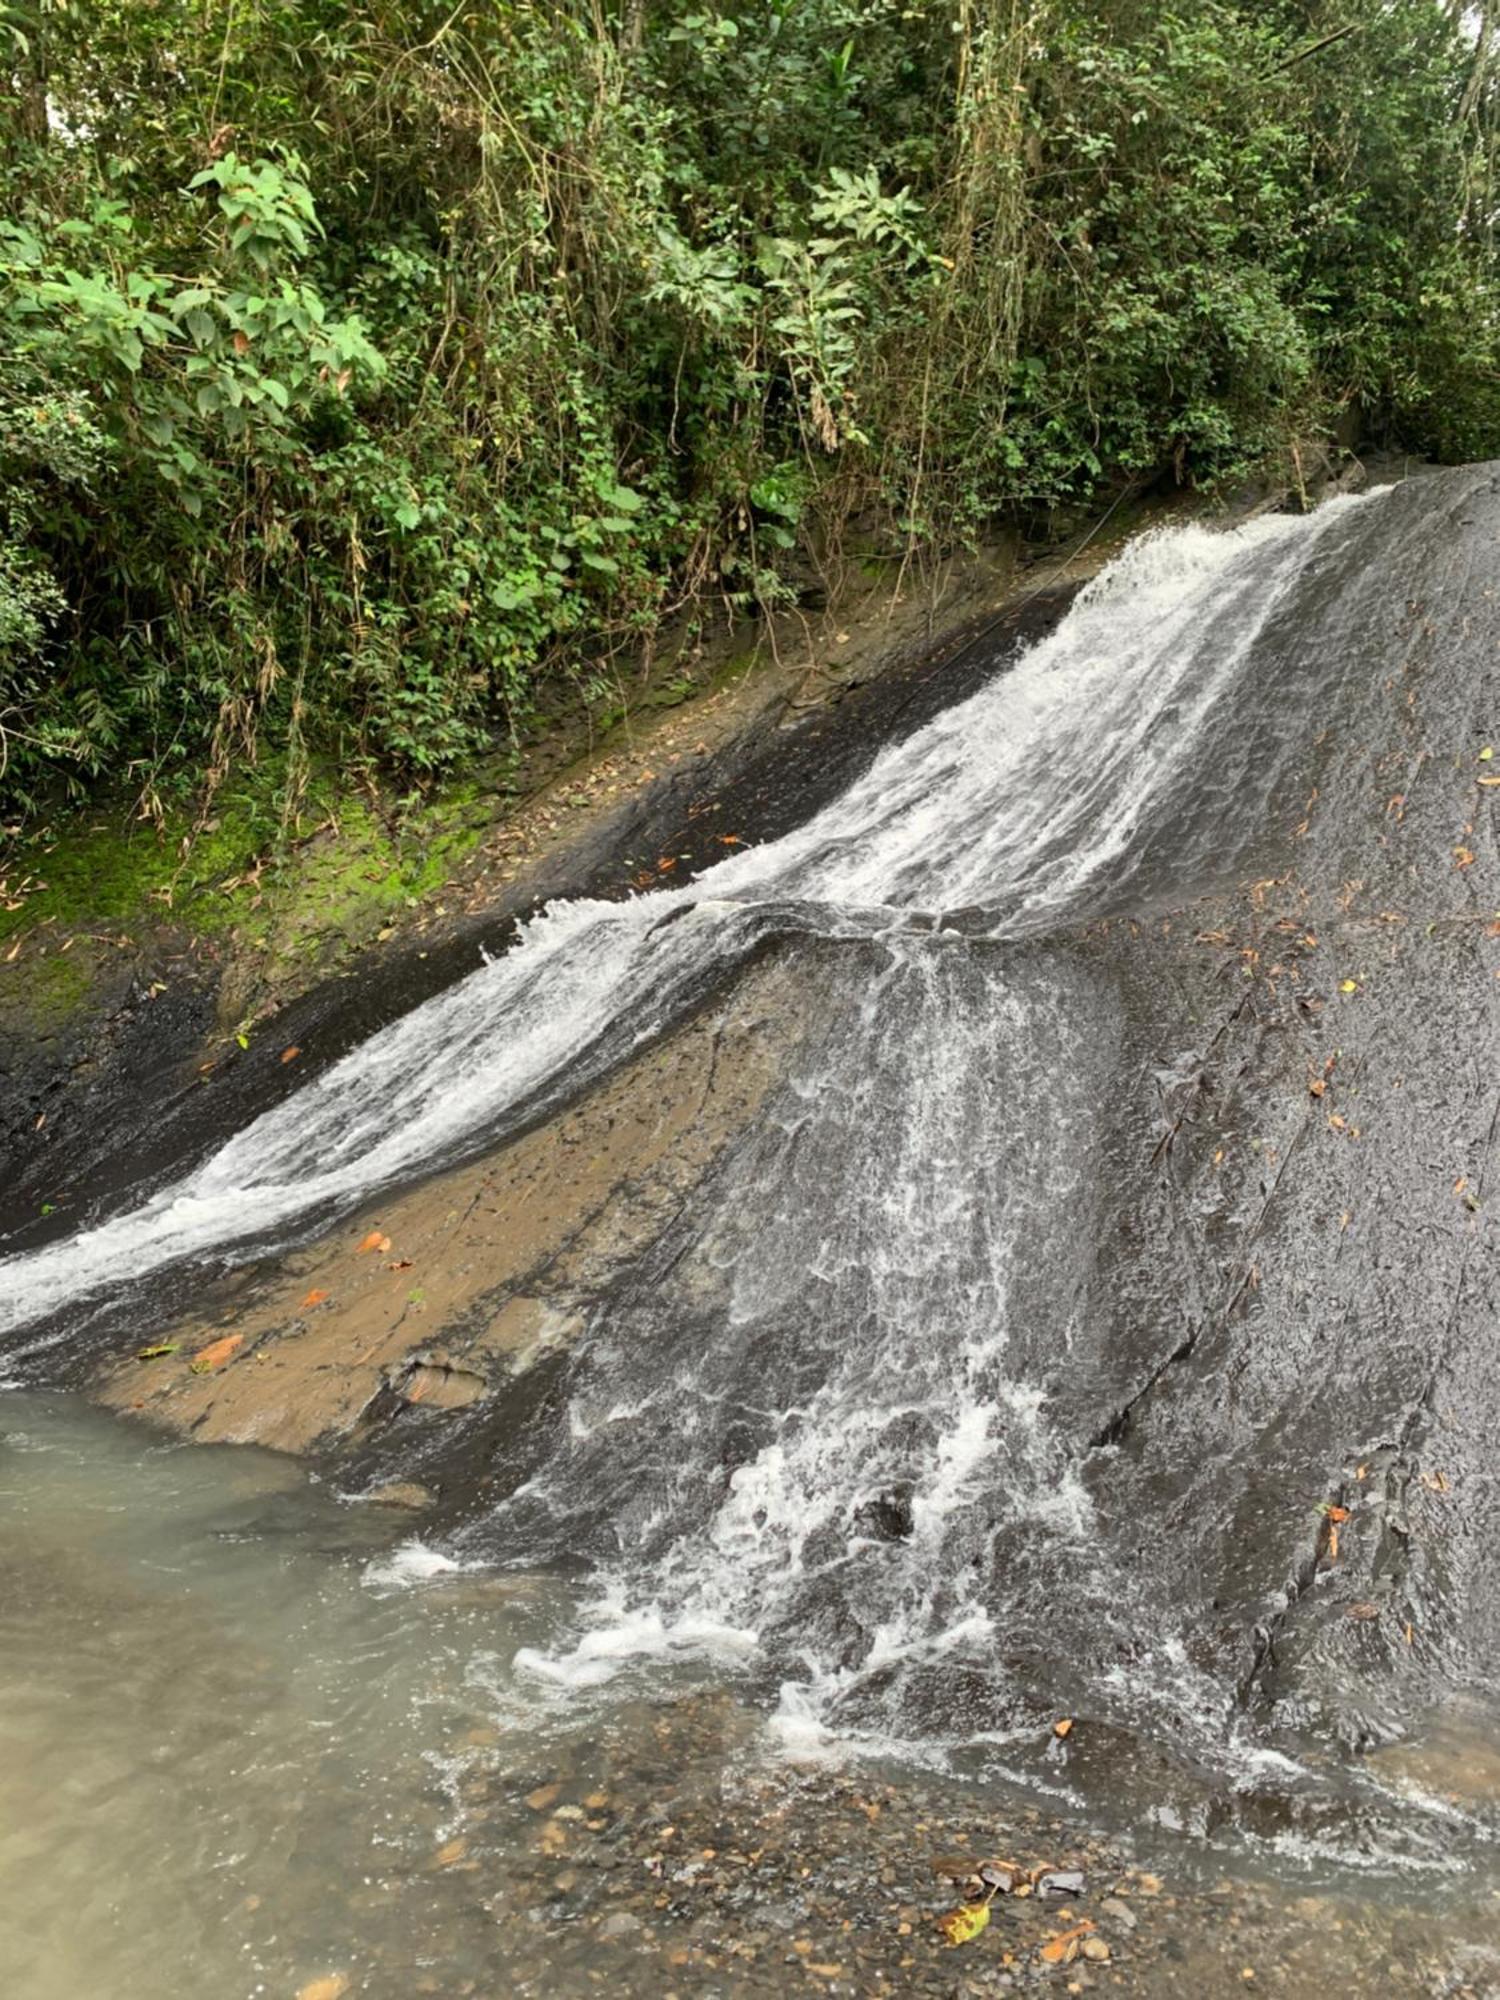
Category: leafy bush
<point>362,366</point>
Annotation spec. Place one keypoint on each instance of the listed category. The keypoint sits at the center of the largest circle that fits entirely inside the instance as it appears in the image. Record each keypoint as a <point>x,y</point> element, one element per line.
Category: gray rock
<point>620,1923</point>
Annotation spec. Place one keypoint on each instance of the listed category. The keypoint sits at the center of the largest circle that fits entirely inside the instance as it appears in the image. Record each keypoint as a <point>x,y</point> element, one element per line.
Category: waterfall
<point>1031,804</point>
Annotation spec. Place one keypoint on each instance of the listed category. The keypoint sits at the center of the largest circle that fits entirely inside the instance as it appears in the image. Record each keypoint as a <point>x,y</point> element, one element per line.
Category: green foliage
<point>362,366</point>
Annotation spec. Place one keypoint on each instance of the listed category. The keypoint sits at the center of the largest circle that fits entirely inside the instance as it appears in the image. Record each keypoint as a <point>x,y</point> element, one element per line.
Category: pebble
<point>620,1923</point>
<point>1120,1912</point>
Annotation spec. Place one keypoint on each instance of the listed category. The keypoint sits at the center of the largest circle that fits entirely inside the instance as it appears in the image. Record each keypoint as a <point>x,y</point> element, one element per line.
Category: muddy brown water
<point>1080,1305</point>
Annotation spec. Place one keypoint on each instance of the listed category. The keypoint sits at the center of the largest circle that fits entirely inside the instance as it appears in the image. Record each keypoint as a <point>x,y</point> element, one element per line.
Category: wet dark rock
<point>887,1517</point>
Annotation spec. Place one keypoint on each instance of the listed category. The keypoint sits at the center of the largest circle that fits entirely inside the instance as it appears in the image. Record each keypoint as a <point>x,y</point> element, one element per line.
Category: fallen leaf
<point>1316,1087</point>
<point>374,1241</point>
<point>156,1353</point>
<point>1333,1545</point>
<point>1485,754</point>
<point>1063,1728</point>
<point>1348,986</point>
<point>543,1796</point>
<point>1463,857</point>
<point>314,1298</point>
<point>243,1040</point>
<point>1337,1513</point>
<point>216,1353</point>
<point>332,1986</point>
<point>964,1923</point>
<point>1489,781</point>
<point>291,1054</point>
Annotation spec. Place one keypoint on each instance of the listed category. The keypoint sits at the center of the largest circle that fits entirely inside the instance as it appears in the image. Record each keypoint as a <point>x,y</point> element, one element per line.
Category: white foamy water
<point>1026,800</point>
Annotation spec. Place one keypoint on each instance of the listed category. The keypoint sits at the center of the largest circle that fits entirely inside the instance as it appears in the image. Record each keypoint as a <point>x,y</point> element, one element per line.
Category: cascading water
<point>973,1386</point>
<point>1029,802</point>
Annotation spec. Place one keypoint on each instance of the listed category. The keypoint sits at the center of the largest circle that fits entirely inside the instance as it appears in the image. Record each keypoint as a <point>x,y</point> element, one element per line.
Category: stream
<point>1093,1321</point>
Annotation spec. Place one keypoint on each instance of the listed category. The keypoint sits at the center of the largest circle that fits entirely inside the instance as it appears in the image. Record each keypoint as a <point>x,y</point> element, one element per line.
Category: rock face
<point>474,1277</point>
<point>1051,1274</point>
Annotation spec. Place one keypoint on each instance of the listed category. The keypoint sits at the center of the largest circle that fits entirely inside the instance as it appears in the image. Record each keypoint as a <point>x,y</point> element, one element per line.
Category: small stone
<point>1061,1882</point>
<point>567,1812</point>
<point>620,1923</point>
<point>400,1493</point>
<point>1096,1949</point>
<point>1148,1885</point>
<point>1120,1912</point>
<point>543,1796</point>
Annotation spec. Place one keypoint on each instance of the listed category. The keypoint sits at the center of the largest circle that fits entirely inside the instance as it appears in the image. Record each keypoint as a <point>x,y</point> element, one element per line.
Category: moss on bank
<point>105,882</point>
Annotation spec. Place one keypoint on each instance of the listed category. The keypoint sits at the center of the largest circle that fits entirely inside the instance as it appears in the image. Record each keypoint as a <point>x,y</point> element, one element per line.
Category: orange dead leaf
<point>374,1241</point>
<point>1316,1087</point>
<point>216,1353</point>
<point>291,1054</point>
<point>1063,1728</point>
<point>1338,1513</point>
<point>1063,1948</point>
<point>313,1298</point>
<point>1463,857</point>
<point>733,839</point>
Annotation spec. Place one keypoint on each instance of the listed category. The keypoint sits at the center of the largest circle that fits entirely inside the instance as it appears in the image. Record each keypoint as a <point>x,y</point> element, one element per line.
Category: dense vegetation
<point>363,364</point>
